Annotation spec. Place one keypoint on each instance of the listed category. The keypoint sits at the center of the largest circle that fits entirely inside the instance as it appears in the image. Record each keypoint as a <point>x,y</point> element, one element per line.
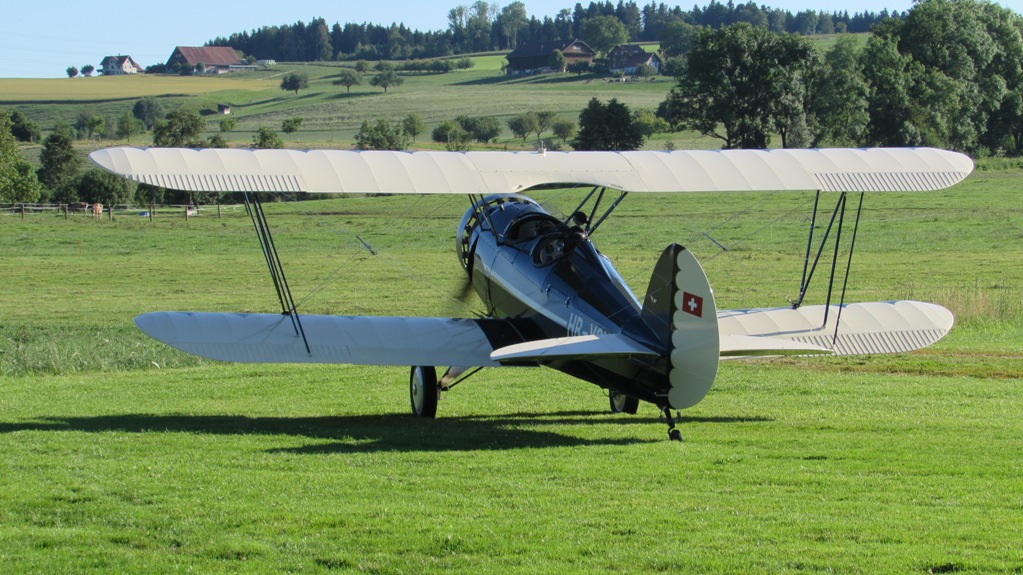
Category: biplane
<point>551,298</point>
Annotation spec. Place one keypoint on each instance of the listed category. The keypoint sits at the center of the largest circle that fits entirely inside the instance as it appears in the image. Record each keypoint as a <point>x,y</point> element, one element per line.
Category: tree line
<point>948,75</point>
<point>486,26</point>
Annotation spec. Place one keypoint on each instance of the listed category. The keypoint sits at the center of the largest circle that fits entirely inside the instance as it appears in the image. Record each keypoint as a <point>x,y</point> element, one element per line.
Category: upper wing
<point>864,328</point>
<point>339,171</point>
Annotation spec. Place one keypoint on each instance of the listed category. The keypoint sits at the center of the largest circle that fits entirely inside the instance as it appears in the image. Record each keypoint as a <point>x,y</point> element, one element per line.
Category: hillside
<point>332,115</point>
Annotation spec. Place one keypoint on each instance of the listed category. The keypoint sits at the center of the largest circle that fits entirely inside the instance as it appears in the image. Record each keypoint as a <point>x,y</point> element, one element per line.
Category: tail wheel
<point>423,391</point>
<point>621,403</point>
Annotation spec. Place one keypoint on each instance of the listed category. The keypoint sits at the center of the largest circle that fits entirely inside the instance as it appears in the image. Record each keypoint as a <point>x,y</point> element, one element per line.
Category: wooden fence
<point>98,211</point>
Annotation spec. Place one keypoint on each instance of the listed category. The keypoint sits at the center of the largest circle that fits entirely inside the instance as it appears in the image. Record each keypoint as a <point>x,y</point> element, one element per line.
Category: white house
<point>118,65</point>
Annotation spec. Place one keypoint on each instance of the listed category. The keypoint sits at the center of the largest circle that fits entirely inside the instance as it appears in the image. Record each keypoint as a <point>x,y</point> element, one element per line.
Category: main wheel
<point>423,391</point>
<point>621,403</point>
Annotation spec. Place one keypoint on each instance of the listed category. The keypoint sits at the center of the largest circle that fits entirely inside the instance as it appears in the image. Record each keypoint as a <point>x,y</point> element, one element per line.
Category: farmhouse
<point>627,58</point>
<point>119,65</point>
<point>214,59</point>
<point>536,58</point>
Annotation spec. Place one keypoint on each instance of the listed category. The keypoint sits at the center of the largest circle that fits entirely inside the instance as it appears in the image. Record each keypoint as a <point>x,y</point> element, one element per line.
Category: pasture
<point>332,115</point>
<point>120,455</point>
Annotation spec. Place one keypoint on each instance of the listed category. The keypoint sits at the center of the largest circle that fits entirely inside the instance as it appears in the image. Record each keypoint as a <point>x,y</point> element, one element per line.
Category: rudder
<point>679,308</point>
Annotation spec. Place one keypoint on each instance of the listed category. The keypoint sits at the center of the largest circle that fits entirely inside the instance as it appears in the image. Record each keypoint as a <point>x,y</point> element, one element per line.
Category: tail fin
<point>679,308</point>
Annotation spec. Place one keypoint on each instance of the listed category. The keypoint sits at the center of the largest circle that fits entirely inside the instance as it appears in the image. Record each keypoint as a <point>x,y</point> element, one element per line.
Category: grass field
<point>120,455</point>
<point>332,115</point>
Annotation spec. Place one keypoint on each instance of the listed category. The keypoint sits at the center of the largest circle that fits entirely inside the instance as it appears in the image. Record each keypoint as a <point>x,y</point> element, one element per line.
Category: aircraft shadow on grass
<point>376,433</point>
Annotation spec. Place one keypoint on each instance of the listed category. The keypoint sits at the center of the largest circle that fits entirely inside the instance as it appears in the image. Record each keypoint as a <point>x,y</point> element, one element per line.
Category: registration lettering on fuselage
<point>577,325</point>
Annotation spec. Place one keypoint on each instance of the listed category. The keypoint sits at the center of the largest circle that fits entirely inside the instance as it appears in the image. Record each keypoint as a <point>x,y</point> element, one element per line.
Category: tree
<point>72,72</point>
<point>127,125</point>
<point>607,127</point>
<point>564,129</point>
<point>604,32</point>
<point>291,125</point>
<point>558,62</point>
<point>18,181</point>
<point>180,129</point>
<point>387,79</point>
<point>522,125</point>
<point>294,82</point>
<point>23,129</point>
<point>677,38</point>
<point>733,80</point>
<point>649,124</point>
<point>888,107</point>
<point>579,67</point>
<point>413,125</point>
<point>481,129</point>
<point>266,138</point>
<point>148,110</point>
<point>361,66</point>
<point>964,61</point>
<point>512,20</point>
<point>382,134</point>
<point>100,186</point>
<point>88,69</point>
<point>451,134</point>
<point>838,97</point>
<point>228,124</point>
<point>799,61</point>
<point>543,121</point>
<point>348,78</point>
<point>148,195</point>
<point>95,125</point>
<point>59,164</point>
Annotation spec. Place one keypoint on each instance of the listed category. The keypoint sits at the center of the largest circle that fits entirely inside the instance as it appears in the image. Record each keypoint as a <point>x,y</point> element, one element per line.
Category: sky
<point>42,38</point>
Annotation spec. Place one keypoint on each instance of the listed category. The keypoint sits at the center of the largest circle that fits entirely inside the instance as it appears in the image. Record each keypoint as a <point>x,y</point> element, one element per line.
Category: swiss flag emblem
<point>692,304</point>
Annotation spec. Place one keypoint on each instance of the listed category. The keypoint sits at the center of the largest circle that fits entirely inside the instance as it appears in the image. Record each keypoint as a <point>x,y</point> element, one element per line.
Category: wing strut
<point>590,225</point>
<point>837,214</point>
<point>273,261</point>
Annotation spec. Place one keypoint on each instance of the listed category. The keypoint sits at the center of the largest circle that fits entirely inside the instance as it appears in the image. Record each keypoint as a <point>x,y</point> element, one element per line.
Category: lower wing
<point>863,328</point>
<point>275,338</point>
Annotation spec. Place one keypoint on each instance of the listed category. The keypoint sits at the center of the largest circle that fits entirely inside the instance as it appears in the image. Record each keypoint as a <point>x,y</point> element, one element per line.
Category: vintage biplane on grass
<point>552,298</point>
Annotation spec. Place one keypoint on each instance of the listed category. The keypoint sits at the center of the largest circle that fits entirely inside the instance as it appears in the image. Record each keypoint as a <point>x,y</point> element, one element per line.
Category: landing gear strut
<point>674,433</point>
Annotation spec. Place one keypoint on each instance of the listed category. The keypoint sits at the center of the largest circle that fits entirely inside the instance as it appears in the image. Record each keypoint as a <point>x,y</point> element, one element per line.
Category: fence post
<point>218,212</point>
<point>186,213</point>
<point>110,212</point>
<point>65,211</point>
<point>22,212</point>
<point>151,208</point>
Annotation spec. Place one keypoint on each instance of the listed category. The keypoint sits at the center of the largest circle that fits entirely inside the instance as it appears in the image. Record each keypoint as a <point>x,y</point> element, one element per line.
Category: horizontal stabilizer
<point>576,347</point>
<point>865,328</point>
<point>272,338</point>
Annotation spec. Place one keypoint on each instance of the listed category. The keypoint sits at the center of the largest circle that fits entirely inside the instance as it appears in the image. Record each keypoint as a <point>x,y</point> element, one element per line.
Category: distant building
<point>536,58</point>
<point>214,59</point>
<point>119,65</point>
<point>627,58</point>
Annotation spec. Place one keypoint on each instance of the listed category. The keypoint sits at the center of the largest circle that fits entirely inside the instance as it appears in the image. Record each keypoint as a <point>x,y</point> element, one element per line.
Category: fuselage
<point>527,265</point>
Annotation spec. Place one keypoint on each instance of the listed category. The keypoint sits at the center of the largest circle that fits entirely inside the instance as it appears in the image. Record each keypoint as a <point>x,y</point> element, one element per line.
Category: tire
<point>423,391</point>
<point>621,403</point>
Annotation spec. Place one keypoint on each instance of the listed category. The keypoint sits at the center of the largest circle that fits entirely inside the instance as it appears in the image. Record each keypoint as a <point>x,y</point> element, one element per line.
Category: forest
<point>485,26</point>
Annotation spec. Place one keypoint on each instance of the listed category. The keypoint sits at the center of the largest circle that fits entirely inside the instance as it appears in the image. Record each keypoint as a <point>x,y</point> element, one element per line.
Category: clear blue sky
<point>41,38</point>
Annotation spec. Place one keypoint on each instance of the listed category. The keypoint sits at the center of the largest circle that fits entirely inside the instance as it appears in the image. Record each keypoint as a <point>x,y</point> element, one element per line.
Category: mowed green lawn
<point>119,455</point>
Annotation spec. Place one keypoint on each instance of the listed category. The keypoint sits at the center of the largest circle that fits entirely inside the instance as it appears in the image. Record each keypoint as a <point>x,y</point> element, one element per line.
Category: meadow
<point>332,115</point>
<point>121,455</point>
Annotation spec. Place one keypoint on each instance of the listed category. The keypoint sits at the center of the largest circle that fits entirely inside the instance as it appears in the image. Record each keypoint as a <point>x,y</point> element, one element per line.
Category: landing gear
<point>621,403</point>
<point>674,433</point>
<point>423,391</point>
